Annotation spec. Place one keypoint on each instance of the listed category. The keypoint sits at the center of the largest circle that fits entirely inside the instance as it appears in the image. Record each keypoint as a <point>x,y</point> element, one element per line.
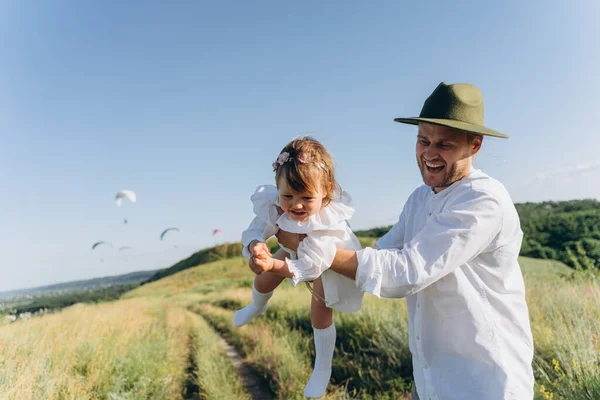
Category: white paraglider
<point>125,194</point>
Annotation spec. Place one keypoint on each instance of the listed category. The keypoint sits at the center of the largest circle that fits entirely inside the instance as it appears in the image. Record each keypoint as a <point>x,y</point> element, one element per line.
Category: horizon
<point>204,248</point>
<point>189,104</point>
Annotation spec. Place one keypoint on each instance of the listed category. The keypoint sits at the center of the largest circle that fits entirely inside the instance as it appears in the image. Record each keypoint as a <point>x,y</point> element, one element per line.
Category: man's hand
<point>257,247</point>
<point>290,240</point>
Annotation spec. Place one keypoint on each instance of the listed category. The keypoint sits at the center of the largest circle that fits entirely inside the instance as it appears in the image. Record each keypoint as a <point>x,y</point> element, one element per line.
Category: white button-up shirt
<point>453,255</point>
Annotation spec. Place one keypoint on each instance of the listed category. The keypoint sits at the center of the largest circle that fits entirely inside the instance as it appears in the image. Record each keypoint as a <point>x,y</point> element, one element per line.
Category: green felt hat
<point>458,106</point>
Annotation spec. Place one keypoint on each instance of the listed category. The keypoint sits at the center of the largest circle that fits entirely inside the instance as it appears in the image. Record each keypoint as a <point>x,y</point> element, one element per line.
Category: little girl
<point>307,200</point>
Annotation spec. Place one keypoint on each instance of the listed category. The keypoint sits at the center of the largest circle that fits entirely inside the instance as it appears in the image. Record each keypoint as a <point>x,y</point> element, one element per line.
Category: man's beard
<point>452,175</point>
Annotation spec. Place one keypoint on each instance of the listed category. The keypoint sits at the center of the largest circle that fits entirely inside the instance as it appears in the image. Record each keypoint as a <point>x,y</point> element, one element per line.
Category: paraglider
<point>215,231</point>
<point>126,254</point>
<point>125,194</point>
<point>100,243</point>
<point>162,235</point>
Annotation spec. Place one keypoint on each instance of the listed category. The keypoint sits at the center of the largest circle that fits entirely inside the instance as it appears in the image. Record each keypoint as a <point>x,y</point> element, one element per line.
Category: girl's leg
<point>324,336</point>
<point>262,290</point>
<point>267,282</point>
<point>321,316</point>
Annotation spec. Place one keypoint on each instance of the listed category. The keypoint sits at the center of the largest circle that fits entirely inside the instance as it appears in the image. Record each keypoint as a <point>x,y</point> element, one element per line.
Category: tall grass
<point>566,330</point>
<point>139,347</point>
<point>279,356</point>
<point>371,360</point>
<point>215,375</point>
<point>127,349</point>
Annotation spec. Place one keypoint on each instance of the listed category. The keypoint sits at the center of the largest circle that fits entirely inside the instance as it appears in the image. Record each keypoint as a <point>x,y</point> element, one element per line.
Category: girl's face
<point>300,206</point>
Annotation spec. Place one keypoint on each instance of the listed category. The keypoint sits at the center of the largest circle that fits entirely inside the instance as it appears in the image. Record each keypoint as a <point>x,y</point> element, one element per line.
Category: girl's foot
<point>324,347</point>
<point>243,316</point>
<point>258,306</point>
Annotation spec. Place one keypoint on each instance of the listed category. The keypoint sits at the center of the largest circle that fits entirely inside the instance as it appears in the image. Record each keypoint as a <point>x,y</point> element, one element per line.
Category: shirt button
<point>426,366</point>
<point>418,305</point>
<point>418,337</point>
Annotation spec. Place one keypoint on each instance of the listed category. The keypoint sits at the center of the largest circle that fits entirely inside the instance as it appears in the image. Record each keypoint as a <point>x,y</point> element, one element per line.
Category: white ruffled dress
<point>326,231</point>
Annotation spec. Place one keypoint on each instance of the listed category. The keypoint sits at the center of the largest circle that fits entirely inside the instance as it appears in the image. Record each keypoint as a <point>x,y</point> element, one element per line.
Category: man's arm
<point>345,263</point>
<point>314,255</point>
<point>447,241</point>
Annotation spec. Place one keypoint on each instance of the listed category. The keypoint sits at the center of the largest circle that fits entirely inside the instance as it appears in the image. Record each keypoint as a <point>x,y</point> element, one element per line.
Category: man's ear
<point>477,141</point>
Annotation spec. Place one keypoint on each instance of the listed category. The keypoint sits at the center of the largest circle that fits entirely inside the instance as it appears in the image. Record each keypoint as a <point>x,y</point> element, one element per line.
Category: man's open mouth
<point>433,167</point>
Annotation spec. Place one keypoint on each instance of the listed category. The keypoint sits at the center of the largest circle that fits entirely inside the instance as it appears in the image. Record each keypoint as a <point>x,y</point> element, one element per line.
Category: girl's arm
<point>279,265</point>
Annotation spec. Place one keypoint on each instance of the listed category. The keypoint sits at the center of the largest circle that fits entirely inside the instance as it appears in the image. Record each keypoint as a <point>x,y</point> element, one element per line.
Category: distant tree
<point>561,230</point>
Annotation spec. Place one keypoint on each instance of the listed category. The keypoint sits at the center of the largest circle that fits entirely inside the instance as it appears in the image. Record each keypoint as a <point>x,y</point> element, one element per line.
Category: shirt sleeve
<point>394,239</point>
<point>315,255</point>
<point>447,241</point>
<point>254,232</point>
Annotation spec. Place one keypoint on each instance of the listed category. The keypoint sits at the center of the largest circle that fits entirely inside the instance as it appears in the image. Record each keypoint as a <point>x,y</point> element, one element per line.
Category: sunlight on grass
<point>127,348</point>
<point>139,347</point>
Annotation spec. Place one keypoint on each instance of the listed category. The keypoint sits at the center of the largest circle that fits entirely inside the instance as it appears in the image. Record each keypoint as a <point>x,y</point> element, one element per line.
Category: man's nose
<point>430,153</point>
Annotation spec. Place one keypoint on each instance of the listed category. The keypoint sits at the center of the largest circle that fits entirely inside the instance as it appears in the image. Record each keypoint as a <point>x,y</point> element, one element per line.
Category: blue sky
<point>188,103</point>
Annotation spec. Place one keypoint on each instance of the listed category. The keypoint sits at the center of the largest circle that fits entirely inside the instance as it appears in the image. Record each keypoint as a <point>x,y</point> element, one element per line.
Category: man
<point>453,255</point>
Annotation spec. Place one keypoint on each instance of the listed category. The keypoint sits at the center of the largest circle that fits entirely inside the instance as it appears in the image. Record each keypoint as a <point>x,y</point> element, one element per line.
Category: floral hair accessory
<point>281,159</point>
<point>302,159</point>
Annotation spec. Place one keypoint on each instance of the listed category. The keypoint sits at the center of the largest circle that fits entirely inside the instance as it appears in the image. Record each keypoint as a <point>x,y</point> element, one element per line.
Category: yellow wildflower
<point>556,365</point>
<point>546,394</point>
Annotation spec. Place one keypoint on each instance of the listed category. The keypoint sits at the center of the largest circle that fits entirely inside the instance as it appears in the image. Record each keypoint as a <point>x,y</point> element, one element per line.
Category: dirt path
<point>253,383</point>
<point>191,388</point>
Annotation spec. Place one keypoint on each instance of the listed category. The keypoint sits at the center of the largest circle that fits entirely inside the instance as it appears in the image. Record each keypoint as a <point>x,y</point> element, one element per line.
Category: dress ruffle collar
<point>333,217</point>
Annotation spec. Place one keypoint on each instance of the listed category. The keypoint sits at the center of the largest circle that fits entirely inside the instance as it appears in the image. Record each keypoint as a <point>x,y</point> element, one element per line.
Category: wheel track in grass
<point>191,390</point>
<point>253,383</point>
<point>256,387</point>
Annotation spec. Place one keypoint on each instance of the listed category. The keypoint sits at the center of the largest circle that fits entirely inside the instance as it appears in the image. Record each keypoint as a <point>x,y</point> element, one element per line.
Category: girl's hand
<point>261,263</point>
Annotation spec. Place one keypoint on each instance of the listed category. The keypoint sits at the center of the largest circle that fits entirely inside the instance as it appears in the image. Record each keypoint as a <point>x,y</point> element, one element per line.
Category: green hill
<point>216,253</point>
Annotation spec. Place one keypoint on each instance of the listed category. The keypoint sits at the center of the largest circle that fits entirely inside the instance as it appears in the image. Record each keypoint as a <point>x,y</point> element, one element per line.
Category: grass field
<point>162,340</point>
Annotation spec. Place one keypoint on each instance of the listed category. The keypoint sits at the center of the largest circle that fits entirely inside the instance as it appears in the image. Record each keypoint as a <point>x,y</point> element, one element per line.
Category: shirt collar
<point>454,185</point>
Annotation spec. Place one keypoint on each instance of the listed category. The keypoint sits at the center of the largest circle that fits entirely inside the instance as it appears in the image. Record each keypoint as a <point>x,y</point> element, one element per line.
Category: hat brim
<point>450,123</point>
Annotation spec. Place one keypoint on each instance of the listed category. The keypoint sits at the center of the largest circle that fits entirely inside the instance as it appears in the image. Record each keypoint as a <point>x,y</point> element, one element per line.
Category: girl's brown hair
<point>304,163</point>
